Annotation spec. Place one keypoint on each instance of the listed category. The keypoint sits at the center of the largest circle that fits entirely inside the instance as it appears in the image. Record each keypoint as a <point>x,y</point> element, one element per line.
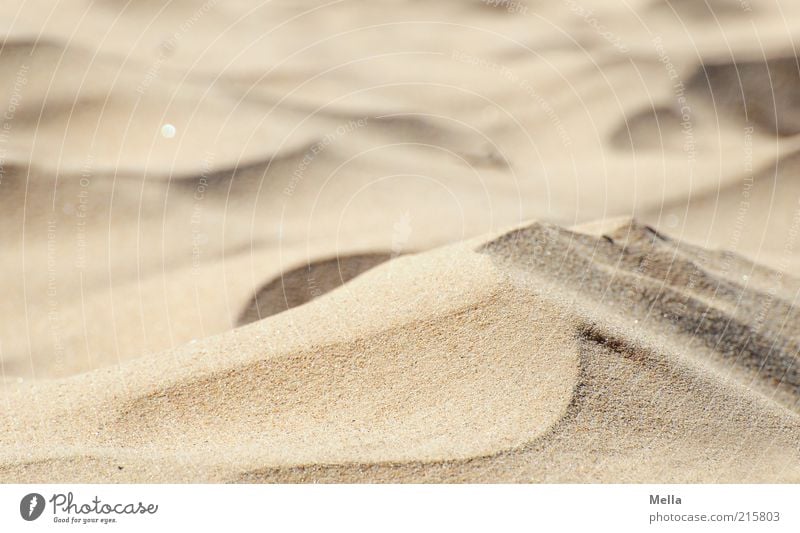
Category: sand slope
<point>549,355</point>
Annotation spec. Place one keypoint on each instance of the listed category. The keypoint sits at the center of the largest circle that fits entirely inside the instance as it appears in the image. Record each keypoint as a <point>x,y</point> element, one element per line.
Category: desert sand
<point>399,241</point>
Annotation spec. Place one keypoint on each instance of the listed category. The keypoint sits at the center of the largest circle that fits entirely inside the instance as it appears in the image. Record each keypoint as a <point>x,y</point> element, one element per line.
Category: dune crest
<point>550,347</point>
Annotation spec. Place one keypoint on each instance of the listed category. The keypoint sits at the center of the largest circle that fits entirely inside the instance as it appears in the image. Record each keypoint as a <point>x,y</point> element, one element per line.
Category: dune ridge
<point>558,342</point>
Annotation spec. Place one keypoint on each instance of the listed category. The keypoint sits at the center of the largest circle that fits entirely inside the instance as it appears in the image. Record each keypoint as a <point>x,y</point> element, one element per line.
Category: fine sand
<point>399,241</point>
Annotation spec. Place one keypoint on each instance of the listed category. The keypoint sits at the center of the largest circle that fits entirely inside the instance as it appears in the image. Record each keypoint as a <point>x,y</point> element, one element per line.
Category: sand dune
<point>455,241</point>
<point>547,344</point>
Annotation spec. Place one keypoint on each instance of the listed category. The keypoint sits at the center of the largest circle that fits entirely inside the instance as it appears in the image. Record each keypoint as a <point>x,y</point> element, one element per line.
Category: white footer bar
<point>386,508</point>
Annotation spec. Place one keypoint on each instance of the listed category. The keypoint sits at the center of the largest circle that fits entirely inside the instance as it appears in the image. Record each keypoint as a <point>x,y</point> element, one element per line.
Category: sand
<point>399,241</point>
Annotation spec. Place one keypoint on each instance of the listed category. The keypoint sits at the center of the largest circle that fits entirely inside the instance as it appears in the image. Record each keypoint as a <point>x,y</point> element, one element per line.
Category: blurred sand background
<point>399,240</point>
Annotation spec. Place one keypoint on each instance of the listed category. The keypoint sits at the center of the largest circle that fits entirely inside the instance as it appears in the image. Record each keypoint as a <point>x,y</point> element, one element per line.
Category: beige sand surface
<point>399,240</point>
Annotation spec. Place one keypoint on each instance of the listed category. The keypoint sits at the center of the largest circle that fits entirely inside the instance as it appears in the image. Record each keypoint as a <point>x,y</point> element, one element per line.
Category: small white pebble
<point>168,131</point>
